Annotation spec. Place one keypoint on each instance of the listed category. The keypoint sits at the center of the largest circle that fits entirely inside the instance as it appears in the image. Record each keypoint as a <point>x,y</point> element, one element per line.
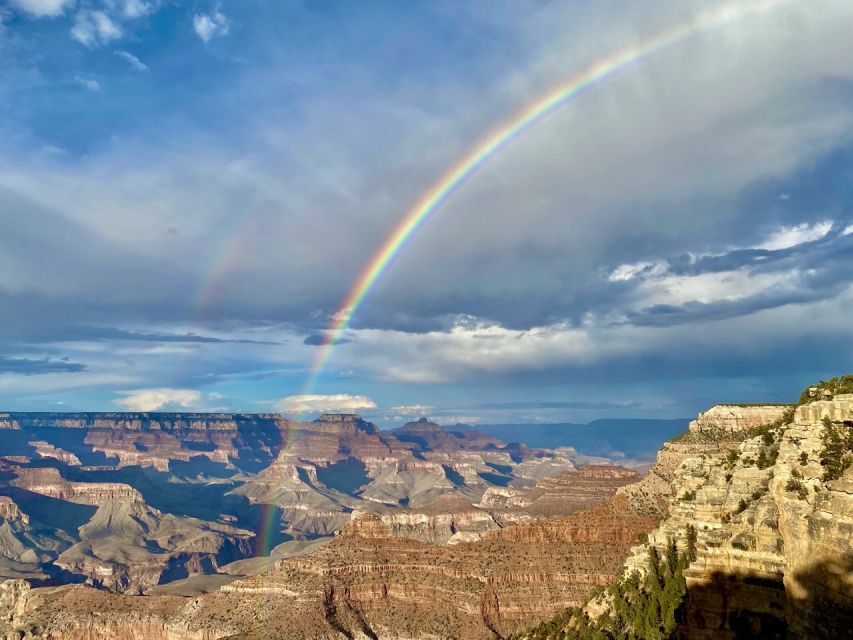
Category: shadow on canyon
<point>818,603</point>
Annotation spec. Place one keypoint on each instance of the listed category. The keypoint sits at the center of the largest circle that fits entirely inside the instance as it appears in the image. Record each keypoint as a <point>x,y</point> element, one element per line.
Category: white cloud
<point>93,28</point>
<point>341,402</point>
<point>88,83</point>
<point>440,356</point>
<point>626,272</point>
<point>42,8</point>
<point>847,230</point>
<point>132,60</point>
<point>208,26</point>
<point>707,288</point>
<point>788,237</point>
<point>157,399</point>
<point>134,8</point>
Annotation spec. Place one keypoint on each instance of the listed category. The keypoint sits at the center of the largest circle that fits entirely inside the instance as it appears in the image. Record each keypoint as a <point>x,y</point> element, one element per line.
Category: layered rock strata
<point>774,539</point>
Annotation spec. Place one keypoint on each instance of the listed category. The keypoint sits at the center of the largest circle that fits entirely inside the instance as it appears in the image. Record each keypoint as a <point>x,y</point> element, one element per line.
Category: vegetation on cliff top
<point>835,386</point>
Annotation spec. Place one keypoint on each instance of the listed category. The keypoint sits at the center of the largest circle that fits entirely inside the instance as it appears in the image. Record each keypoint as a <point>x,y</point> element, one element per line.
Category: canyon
<point>133,503</point>
<point>425,533</point>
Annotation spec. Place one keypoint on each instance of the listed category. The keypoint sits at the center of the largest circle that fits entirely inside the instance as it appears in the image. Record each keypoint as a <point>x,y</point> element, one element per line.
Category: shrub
<point>796,485</point>
<point>688,496</point>
<point>728,477</point>
<point>692,538</point>
<point>741,506</point>
<point>837,452</point>
<point>804,458</point>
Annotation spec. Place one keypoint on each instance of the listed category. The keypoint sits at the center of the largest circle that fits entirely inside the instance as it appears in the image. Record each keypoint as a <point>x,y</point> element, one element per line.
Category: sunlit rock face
<point>734,419</point>
<point>775,536</point>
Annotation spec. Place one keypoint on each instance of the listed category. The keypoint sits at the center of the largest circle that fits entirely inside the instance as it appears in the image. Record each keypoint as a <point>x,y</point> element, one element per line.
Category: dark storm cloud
<point>29,367</point>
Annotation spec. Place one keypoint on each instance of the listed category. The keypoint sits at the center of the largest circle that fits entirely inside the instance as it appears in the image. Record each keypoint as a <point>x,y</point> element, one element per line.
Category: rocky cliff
<point>765,526</point>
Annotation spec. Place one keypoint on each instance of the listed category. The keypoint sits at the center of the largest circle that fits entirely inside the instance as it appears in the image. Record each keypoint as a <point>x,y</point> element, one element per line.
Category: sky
<point>188,190</point>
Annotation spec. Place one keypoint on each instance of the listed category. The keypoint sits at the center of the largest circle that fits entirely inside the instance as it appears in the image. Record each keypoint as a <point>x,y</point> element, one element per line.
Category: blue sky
<point>188,190</point>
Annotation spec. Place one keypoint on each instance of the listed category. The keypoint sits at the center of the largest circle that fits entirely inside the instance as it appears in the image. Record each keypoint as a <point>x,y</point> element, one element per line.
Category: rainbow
<point>454,177</point>
<point>497,139</point>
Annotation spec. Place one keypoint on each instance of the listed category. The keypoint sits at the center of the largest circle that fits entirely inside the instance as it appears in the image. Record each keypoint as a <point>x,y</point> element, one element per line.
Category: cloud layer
<point>187,217</point>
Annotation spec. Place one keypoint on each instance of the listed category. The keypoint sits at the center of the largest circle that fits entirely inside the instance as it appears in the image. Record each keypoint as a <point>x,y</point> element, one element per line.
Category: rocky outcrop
<point>9,511</point>
<point>131,547</point>
<point>734,419</point>
<point>774,536</point>
<point>48,482</point>
<point>432,436</point>
<point>157,439</point>
<point>47,450</point>
<point>571,491</point>
<point>715,432</point>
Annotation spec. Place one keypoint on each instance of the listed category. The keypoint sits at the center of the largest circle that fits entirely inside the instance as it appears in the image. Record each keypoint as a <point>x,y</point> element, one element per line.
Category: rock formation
<point>766,525</point>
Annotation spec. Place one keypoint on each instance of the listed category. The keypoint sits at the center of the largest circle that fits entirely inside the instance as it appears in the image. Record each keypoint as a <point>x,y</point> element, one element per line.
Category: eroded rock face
<point>47,450</point>
<point>115,551</point>
<point>11,512</point>
<point>366,583</point>
<point>775,540</point>
<point>158,439</point>
<point>48,482</point>
<point>735,419</point>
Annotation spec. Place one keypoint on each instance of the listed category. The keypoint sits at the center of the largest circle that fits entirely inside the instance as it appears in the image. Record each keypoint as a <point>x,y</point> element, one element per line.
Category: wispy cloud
<point>132,60</point>
<point>43,8</point>
<point>136,8</point>
<point>94,28</point>
<point>340,402</point>
<point>788,237</point>
<point>88,83</point>
<point>210,25</point>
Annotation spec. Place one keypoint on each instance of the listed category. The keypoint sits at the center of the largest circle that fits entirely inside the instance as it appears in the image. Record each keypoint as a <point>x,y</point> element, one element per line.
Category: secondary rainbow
<point>498,138</point>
